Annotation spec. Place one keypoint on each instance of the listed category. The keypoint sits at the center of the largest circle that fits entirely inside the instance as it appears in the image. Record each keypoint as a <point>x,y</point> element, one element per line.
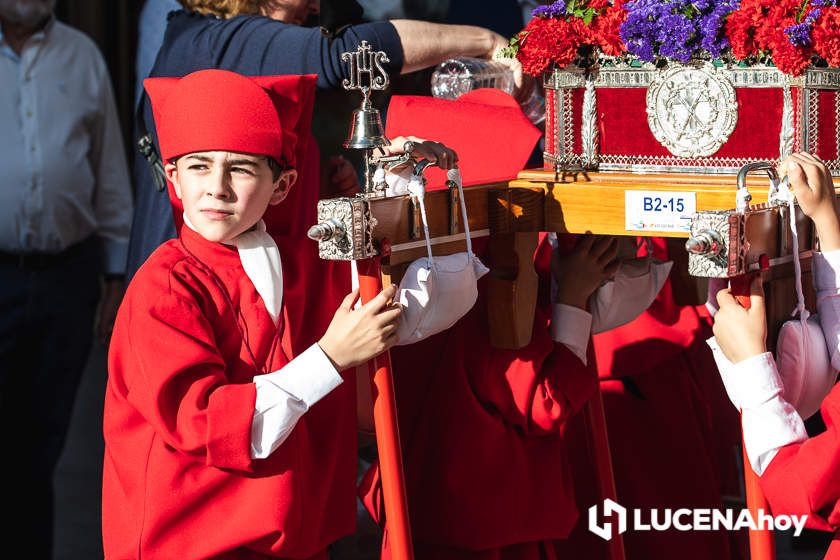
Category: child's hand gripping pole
<point>762,545</point>
<point>387,429</point>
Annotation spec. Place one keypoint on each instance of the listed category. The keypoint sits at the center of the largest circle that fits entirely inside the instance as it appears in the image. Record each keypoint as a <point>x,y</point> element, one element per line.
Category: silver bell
<point>366,130</point>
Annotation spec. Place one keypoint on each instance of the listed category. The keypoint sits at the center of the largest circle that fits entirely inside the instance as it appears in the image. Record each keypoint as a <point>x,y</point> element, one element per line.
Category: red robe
<point>190,336</point>
<point>673,433</point>
<point>486,468</point>
<point>804,478</point>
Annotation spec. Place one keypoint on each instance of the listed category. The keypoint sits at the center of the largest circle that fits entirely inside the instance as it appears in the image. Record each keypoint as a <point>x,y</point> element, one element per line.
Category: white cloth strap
<point>417,190</point>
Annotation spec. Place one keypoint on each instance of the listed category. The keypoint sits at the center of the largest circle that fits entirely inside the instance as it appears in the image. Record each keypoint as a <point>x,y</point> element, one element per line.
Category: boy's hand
<point>741,333</point>
<point>357,335</point>
<point>813,187</point>
<point>582,271</point>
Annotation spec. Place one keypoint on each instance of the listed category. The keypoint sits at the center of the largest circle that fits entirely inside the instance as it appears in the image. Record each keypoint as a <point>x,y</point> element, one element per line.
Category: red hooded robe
<point>191,334</point>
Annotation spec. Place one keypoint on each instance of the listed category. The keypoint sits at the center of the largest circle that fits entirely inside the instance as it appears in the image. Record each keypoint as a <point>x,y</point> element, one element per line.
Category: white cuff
<point>827,272</point>
<point>768,421</point>
<point>571,326</point>
<point>285,395</point>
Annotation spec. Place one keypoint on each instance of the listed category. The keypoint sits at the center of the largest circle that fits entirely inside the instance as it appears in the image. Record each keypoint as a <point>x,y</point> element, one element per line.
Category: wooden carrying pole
<point>387,430</point>
<point>511,214</point>
<point>762,543</point>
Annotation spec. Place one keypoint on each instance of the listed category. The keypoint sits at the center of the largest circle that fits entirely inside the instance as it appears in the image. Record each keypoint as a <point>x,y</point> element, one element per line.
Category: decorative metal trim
<point>837,123</point>
<point>753,77</point>
<point>812,121</point>
<point>568,77</point>
<point>786,133</point>
<point>822,78</point>
<point>589,126</point>
<point>692,109</point>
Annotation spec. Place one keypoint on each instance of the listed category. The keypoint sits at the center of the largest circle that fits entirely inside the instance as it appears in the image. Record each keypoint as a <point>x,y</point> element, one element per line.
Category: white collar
<point>261,261</point>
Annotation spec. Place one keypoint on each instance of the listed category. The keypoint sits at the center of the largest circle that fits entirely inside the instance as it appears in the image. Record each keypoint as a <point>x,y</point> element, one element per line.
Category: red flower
<point>826,36</point>
<point>598,5</point>
<point>740,30</point>
<point>545,41</point>
<point>759,26</point>
<point>787,57</point>
<point>606,31</point>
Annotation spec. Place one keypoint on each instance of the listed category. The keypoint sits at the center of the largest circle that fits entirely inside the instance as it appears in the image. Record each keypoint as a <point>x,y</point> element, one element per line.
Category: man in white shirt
<point>65,210</point>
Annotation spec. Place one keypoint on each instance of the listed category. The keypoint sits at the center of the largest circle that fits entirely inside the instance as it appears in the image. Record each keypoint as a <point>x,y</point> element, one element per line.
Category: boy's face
<point>226,193</point>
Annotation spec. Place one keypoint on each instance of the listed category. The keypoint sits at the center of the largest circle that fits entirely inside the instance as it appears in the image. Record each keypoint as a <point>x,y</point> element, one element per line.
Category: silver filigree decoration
<point>692,110</point>
<point>837,125</point>
<point>812,121</point>
<point>786,133</point>
<point>354,215</point>
<point>709,265</point>
<point>589,126</point>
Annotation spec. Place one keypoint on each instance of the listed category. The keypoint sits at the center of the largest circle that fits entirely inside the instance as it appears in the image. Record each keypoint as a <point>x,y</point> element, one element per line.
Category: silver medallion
<point>692,110</point>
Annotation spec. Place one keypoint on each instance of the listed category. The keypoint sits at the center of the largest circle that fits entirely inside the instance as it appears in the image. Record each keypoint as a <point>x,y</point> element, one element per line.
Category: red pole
<point>387,431</point>
<point>762,544</point>
<point>603,463</point>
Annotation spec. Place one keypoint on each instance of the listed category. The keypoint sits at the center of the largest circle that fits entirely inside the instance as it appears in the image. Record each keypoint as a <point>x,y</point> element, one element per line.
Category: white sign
<point>658,211</point>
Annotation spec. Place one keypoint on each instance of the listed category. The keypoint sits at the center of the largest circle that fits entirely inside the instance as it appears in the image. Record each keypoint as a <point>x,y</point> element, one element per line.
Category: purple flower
<point>678,29</point>
<point>799,34</point>
<point>712,31</point>
<point>676,37</point>
<point>823,3</point>
<point>556,10</point>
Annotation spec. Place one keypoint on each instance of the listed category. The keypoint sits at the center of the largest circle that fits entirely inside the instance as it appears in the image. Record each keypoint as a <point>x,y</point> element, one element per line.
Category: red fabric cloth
<point>804,478</point>
<point>221,110</point>
<point>624,130</point>
<point>486,127</point>
<point>673,433</point>
<point>178,478</point>
<point>486,468</point>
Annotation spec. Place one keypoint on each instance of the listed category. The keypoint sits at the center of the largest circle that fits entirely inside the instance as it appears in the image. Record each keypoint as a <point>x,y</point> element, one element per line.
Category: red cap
<point>221,110</point>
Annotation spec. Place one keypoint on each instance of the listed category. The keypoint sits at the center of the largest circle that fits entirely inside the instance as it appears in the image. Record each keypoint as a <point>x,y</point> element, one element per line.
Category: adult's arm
<point>257,45</point>
<point>426,44</point>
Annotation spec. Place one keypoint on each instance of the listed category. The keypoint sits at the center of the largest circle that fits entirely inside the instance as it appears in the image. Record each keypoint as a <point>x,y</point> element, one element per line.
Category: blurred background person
<point>65,211</point>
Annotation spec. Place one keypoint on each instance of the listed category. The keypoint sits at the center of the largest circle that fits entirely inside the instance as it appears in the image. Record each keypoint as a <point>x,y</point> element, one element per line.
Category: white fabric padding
<point>804,365</point>
<point>436,292</point>
<point>435,297</point>
<point>630,292</point>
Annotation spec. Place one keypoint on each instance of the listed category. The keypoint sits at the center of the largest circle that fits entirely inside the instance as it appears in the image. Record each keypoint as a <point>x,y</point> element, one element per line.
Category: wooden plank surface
<point>581,202</point>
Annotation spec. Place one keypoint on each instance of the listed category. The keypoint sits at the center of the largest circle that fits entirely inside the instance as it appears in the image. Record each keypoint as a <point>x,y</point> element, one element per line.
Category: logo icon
<point>605,530</point>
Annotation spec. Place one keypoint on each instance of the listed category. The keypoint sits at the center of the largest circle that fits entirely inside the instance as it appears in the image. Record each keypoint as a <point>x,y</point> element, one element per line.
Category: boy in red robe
<point>486,466</point>
<point>229,429</point>
<point>799,475</point>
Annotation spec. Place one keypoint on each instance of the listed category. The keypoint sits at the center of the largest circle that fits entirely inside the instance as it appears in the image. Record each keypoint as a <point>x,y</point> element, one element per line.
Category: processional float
<point>675,182</point>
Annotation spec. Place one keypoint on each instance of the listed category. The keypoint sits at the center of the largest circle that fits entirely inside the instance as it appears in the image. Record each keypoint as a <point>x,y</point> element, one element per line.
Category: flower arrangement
<point>790,34</point>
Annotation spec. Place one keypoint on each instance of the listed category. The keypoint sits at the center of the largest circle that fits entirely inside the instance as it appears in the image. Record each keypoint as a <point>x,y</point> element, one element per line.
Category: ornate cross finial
<point>366,71</point>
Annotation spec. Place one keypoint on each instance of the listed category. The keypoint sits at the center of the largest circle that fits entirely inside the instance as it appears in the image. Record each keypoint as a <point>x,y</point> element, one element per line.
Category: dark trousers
<point>47,308</point>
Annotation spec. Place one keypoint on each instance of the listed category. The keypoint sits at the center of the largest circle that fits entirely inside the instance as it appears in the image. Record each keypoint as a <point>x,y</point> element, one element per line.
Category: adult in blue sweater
<point>261,37</point>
